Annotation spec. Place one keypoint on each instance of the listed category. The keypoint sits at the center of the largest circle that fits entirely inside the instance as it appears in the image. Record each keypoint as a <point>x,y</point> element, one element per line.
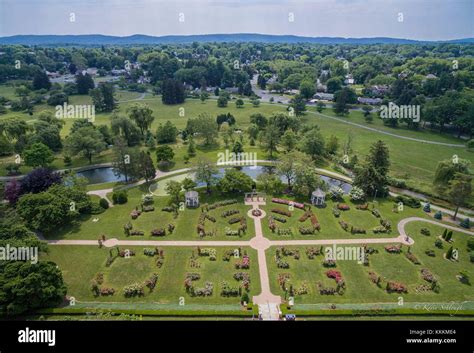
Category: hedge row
<point>186,313</point>
<point>376,312</point>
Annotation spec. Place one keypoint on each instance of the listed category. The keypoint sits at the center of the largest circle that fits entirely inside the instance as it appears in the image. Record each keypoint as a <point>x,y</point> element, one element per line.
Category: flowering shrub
<point>231,232</point>
<point>171,227</point>
<point>134,290</point>
<point>151,282</point>
<point>396,287</point>
<point>305,215</point>
<point>283,279</point>
<point>229,213</point>
<point>135,213</point>
<point>288,202</point>
<point>343,207</point>
<point>357,194</point>
<point>303,289</point>
<point>271,224</point>
<point>386,224</point>
<point>311,252</point>
<point>244,264</point>
<point>329,263</point>
<point>336,192</point>
<point>137,232</point>
<point>344,225</point>
<point>256,212</point>
<point>281,212</point>
<point>206,291</point>
<point>336,212</point>
<point>363,207</point>
<point>105,291</point>
<point>412,258</point>
<point>393,249</point>
<point>245,278</point>
<point>334,274</point>
<point>167,209</point>
<point>285,231</point>
<point>374,278</point>
<point>126,252</point>
<point>428,276</point>
<point>306,230</point>
<point>159,232</point>
<point>211,252</point>
<point>380,229</point>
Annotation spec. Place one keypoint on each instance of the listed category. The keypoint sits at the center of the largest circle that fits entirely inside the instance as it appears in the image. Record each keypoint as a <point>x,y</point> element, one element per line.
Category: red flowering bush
<point>334,274</point>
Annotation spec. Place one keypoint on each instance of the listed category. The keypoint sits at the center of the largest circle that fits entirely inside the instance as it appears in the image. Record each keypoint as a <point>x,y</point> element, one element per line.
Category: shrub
<point>376,213</point>
<point>344,225</point>
<point>408,201</point>
<point>306,230</point>
<point>396,287</point>
<point>343,207</point>
<point>149,251</point>
<point>104,203</point>
<point>393,249</point>
<point>438,243</point>
<point>119,197</point>
<point>357,194</point>
<point>151,282</point>
<point>363,207</point>
<point>465,223</point>
<point>329,263</point>
<point>229,213</point>
<point>148,208</point>
<point>425,231</point>
<point>336,212</point>
<point>470,243</point>
<point>355,230</point>
<point>158,232</point>
<point>281,212</point>
<point>134,290</point>
<point>427,207</point>
<point>410,256</point>
<point>288,202</point>
<point>137,232</point>
<point>336,192</point>
<point>135,214</point>
<point>279,219</point>
<point>430,253</point>
<point>245,298</point>
<point>438,215</point>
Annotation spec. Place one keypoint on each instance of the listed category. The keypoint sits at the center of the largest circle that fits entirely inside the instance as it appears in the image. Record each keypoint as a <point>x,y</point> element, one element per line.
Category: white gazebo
<point>192,198</point>
<point>318,197</point>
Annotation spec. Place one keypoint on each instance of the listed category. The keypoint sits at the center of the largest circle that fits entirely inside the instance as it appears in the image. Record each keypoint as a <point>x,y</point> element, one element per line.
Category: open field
<point>80,265</point>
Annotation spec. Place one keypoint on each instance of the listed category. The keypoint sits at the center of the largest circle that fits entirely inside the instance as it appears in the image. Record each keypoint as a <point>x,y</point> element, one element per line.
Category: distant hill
<point>97,39</point>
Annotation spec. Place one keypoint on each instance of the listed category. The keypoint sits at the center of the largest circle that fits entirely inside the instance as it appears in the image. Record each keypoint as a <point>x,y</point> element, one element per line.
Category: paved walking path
<point>345,121</point>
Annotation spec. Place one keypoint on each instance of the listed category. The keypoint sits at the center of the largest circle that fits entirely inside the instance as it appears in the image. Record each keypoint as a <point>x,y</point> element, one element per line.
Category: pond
<point>106,175</point>
<point>100,175</point>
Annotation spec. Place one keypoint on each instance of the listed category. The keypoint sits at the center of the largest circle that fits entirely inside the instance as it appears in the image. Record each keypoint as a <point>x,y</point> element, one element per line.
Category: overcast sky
<point>422,19</point>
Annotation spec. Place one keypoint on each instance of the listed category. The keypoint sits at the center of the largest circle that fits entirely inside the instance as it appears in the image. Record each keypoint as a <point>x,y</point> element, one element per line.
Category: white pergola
<point>318,197</point>
<point>192,198</point>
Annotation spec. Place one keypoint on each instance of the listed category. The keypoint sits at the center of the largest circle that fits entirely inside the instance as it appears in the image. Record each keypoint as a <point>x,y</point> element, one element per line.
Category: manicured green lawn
<point>111,222</point>
<point>80,264</point>
<point>330,227</point>
<point>394,267</point>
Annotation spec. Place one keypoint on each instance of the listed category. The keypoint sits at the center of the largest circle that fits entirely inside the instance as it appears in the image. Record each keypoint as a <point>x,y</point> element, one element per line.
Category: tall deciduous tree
<point>206,172</point>
<point>38,155</point>
<point>142,115</point>
<point>86,141</point>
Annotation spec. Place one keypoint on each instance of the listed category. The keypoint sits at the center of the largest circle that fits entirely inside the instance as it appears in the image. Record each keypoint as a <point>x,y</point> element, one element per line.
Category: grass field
<point>394,267</point>
<point>111,222</point>
<point>80,264</point>
<point>330,227</point>
<point>414,161</point>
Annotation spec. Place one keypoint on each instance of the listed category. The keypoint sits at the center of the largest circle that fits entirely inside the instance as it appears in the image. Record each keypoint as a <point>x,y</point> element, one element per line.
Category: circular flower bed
<point>256,212</point>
